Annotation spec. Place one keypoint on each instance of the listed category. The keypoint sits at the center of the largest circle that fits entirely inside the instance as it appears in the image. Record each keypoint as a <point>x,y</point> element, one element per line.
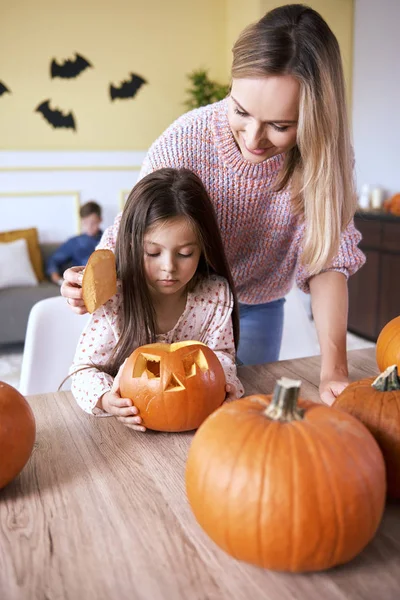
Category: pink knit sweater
<point>261,235</point>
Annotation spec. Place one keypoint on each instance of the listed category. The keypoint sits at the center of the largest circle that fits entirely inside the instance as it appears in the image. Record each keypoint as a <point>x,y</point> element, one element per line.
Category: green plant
<point>203,90</point>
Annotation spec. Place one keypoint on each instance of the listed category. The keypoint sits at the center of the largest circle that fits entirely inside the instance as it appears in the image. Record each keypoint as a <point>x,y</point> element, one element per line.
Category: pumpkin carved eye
<point>147,364</point>
<point>150,366</point>
<point>193,360</point>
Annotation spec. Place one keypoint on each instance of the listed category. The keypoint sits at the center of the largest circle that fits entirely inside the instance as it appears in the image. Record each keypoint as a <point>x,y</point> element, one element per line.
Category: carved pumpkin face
<point>174,386</point>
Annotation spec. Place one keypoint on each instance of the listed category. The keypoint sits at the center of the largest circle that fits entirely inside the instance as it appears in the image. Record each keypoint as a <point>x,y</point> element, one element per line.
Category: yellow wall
<point>339,16</point>
<point>239,14</point>
<point>160,40</point>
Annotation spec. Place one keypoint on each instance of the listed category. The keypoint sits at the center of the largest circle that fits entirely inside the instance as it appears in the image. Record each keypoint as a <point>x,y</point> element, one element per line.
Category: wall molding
<point>122,198</point>
<point>74,194</point>
<point>106,177</point>
<point>70,168</point>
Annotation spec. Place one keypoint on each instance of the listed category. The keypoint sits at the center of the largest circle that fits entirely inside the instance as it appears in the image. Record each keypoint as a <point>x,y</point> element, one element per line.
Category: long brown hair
<point>294,39</point>
<point>161,195</point>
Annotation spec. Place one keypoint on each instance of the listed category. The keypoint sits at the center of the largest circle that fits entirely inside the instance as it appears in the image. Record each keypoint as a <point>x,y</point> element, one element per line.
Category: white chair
<point>299,335</point>
<point>53,332</point>
<point>52,335</point>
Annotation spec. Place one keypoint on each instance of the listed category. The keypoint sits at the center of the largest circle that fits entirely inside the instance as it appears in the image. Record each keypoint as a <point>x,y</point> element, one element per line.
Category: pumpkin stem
<point>283,406</point>
<point>388,380</point>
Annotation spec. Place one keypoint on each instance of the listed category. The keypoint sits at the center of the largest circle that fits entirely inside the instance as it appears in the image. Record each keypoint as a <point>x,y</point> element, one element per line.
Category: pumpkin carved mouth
<point>147,365</point>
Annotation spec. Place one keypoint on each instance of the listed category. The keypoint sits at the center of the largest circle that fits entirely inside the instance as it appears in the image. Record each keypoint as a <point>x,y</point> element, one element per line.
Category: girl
<point>276,159</point>
<point>174,284</point>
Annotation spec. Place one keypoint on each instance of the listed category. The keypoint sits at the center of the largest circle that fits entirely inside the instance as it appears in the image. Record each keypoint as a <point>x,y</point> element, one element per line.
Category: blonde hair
<point>295,40</point>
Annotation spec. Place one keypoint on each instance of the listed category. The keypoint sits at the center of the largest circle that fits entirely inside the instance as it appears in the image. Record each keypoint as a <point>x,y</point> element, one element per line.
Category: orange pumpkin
<point>17,433</point>
<point>174,386</point>
<point>376,403</point>
<point>388,345</point>
<point>393,205</point>
<point>286,487</point>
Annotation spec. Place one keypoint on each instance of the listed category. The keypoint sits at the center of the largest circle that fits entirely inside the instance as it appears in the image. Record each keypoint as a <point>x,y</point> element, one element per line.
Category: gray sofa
<point>16,303</point>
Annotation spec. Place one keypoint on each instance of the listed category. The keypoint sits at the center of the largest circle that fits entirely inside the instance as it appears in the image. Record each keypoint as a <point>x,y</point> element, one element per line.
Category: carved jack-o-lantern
<point>174,386</point>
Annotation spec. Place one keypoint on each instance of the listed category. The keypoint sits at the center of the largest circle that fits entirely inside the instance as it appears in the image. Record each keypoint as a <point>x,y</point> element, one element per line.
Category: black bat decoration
<point>55,117</point>
<point>128,88</point>
<point>3,89</point>
<point>69,68</point>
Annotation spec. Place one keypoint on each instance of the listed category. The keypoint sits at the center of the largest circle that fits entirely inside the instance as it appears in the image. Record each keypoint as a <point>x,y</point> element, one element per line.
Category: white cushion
<point>15,265</point>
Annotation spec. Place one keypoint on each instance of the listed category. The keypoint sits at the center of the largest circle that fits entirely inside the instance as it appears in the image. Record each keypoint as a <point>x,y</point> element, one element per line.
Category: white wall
<point>376,93</point>
<point>43,189</point>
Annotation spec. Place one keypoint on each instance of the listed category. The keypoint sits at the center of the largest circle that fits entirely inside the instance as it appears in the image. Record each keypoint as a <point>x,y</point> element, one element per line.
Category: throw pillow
<point>15,265</point>
<point>31,236</point>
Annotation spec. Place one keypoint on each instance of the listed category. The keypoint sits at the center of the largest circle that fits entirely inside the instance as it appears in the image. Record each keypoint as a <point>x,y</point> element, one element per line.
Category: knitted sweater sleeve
<point>109,237</point>
<point>170,149</point>
<point>347,261</point>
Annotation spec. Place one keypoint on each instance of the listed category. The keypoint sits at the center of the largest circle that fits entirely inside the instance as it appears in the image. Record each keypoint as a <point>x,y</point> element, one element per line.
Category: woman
<point>276,160</point>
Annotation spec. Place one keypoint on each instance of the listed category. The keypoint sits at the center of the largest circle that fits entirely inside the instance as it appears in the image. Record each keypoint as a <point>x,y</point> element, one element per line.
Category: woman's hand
<point>71,289</point>
<point>122,408</point>
<point>330,388</point>
<point>231,392</point>
<point>330,307</point>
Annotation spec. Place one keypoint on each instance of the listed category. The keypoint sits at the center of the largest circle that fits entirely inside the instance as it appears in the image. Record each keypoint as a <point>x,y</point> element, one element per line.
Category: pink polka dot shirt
<point>206,318</point>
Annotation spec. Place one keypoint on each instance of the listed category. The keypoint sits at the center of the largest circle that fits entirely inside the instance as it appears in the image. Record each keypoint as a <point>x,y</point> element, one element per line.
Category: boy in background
<point>76,250</point>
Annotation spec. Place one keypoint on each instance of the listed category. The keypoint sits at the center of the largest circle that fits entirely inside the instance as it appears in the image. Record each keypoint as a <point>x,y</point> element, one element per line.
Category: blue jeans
<point>261,327</point>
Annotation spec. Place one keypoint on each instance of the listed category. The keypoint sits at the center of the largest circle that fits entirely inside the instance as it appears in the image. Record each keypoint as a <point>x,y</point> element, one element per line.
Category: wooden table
<point>100,512</point>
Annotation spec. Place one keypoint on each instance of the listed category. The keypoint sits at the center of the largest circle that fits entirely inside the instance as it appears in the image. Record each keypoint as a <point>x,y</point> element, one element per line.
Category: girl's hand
<point>71,289</point>
<point>231,392</point>
<point>329,389</point>
<point>122,408</point>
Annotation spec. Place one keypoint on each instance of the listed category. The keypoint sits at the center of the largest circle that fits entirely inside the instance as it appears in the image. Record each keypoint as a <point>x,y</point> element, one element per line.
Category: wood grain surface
<point>100,512</point>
